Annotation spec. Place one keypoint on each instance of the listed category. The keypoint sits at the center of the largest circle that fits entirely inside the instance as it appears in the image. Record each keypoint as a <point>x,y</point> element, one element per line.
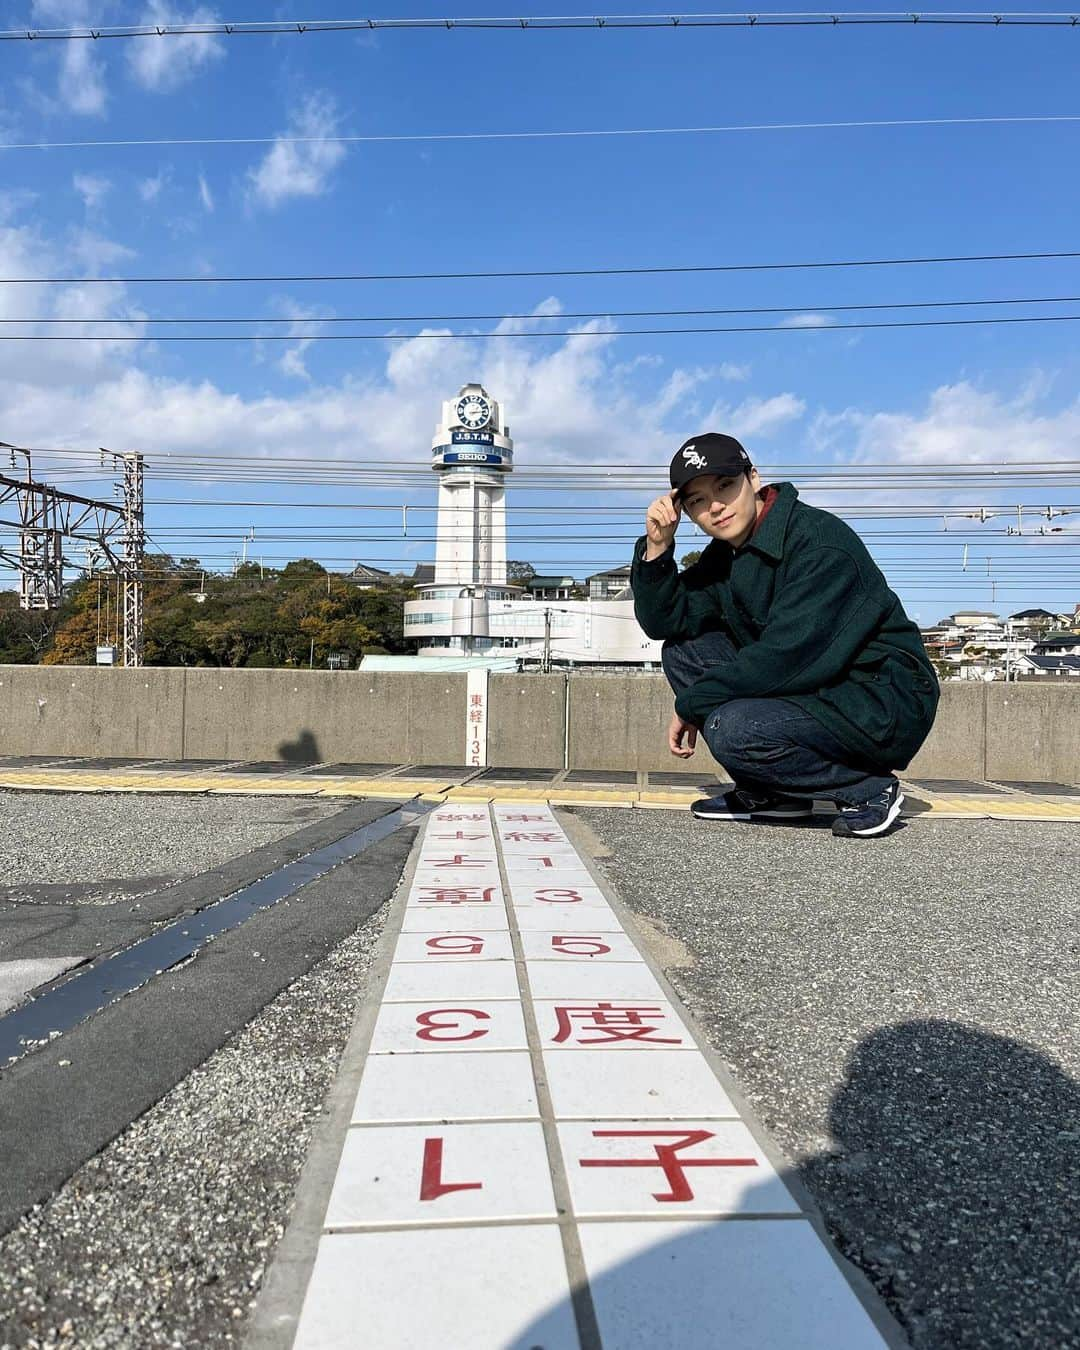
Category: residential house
<point>550,587</point>
<point>610,585</point>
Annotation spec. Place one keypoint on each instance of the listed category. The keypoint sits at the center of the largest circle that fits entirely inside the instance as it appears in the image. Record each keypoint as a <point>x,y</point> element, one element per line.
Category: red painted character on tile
<point>674,1167</point>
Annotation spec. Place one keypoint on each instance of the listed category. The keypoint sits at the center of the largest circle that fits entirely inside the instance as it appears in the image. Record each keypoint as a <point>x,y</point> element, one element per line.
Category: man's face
<point>725,508</point>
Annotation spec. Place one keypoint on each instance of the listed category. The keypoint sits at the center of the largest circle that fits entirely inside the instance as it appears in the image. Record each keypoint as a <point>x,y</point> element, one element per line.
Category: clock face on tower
<point>474,411</point>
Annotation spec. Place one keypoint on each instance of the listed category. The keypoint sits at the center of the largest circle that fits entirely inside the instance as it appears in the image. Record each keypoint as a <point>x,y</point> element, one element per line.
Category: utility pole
<point>40,547</point>
<point>46,516</point>
<point>545,664</point>
<point>133,558</point>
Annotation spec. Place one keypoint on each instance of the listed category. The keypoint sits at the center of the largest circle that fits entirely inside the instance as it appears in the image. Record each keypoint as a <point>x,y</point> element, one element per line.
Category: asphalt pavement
<point>151,1153</point>
<point>902,1014</point>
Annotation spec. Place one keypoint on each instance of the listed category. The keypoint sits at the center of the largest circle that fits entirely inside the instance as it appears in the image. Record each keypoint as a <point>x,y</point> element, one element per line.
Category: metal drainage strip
<point>93,988</point>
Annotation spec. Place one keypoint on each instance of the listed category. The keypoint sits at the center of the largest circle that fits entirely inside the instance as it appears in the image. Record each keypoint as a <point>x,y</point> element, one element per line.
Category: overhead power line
<point>298,278</point>
<point>83,321</point>
<point>815,327</point>
<point>257,28</point>
<point>991,466</point>
<point>573,134</point>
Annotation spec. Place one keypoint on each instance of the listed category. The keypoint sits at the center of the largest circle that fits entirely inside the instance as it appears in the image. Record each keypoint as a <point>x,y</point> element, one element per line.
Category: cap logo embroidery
<point>692,457</point>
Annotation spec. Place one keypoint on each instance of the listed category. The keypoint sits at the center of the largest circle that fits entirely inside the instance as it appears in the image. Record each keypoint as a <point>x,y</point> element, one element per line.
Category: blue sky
<point>797,398</point>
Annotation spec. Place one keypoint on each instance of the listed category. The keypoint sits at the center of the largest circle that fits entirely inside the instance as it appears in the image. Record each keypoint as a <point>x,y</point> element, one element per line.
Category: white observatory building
<point>472,453</point>
<point>469,609</point>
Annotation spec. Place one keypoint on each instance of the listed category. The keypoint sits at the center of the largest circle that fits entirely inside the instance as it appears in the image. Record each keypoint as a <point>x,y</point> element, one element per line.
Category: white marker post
<point>476,704</point>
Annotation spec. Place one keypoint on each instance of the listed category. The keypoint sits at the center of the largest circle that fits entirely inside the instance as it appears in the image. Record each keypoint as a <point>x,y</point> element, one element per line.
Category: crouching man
<point>786,649</point>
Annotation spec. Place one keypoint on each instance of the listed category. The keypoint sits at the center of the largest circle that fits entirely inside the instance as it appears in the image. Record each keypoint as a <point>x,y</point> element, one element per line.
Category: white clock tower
<point>472,454</point>
<point>468,611</point>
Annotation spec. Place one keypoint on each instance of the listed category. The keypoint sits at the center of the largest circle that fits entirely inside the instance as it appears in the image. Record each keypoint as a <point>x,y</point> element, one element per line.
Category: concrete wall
<point>79,710</point>
<point>620,722</point>
<point>527,721</point>
<point>167,713</point>
<point>615,721</point>
<point>956,746</point>
<point>1033,732</point>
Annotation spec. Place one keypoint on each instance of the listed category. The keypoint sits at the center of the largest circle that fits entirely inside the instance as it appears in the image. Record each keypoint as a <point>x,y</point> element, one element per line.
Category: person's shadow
<point>953,1186</point>
<point>304,750</point>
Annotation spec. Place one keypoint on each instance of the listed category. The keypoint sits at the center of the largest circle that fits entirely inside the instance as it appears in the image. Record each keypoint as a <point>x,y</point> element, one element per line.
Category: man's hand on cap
<point>661,522</point>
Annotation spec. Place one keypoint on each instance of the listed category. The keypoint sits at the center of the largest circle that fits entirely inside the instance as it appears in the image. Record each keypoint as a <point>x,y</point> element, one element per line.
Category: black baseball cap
<point>712,452</point>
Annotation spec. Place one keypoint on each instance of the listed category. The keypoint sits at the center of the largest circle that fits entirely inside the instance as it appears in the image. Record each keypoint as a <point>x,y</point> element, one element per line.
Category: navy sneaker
<point>872,817</point>
<point>740,804</point>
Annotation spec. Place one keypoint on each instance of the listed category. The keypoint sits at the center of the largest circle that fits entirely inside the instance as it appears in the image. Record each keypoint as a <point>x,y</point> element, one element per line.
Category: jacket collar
<point>769,537</point>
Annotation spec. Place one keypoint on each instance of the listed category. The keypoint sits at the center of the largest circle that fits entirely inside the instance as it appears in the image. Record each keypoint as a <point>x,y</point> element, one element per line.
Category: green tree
<point>689,559</point>
<point>24,633</point>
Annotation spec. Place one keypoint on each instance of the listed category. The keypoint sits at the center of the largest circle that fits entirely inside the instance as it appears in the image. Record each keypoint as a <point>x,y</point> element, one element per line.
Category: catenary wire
<point>616,22</point>
<point>574,134</point>
<point>561,315</point>
<point>550,272</point>
<point>568,333</point>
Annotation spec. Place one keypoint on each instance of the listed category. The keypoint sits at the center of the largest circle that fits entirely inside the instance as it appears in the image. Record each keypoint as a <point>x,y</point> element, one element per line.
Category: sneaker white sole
<point>894,812</point>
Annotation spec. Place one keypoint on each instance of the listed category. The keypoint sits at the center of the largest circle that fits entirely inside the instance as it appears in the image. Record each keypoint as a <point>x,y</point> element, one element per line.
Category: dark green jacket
<point>813,621</point>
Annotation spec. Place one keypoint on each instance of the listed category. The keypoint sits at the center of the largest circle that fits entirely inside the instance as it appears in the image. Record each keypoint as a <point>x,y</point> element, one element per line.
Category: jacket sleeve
<point>820,619</point>
<point>665,606</point>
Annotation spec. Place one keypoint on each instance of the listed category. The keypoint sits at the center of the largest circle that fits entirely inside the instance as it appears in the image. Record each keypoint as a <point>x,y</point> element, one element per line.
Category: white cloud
<point>299,168</point>
<point>808,321</point>
<point>291,361</point>
<point>959,424</point>
<point>757,417</point>
<point>150,188</point>
<point>162,65</point>
<point>42,371</point>
<point>92,187</point>
<point>93,252</point>
<point>566,400</point>
<point>569,400</point>
<point>546,310</point>
<point>205,195</point>
<point>80,84</point>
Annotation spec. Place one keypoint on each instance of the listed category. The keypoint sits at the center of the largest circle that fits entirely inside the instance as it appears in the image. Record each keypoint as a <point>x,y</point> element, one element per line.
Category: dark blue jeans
<point>769,745</point>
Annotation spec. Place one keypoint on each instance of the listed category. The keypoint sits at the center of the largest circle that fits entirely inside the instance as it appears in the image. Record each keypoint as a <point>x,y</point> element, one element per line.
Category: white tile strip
<point>756,1285</point>
<point>452,1087</point>
<point>525,1057</point>
<point>411,982</point>
<point>452,1288</point>
<point>430,1174</point>
<point>463,944</point>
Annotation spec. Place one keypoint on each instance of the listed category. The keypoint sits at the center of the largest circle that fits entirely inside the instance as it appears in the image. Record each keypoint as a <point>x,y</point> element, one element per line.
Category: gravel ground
<point>162,1239</point>
<point>903,1016</point>
<point>112,837</point>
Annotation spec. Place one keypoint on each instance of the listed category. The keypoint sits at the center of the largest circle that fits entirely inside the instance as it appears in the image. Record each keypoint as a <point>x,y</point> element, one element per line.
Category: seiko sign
<point>470,457</point>
<point>472,438</point>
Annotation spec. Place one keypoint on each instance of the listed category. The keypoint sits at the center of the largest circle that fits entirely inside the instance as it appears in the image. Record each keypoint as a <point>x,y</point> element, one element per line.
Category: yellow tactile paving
<point>953,806</point>
<point>385,788</point>
<point>959,806</point>
<point>558,796</point>
<point>1039,809</point>
<point>663,799</point>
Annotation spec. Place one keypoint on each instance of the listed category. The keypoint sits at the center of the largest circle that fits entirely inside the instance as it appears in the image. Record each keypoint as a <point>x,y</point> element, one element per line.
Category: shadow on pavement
<point>954,1186</point>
